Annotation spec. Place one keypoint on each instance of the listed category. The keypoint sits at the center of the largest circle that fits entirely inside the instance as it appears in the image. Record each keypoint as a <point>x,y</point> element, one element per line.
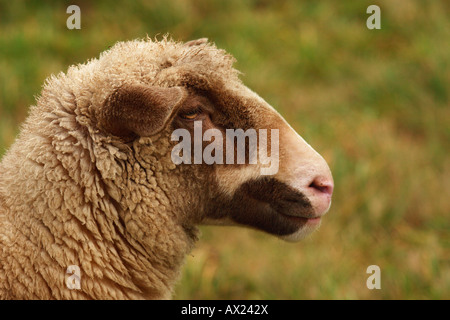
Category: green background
<point>374,103</point>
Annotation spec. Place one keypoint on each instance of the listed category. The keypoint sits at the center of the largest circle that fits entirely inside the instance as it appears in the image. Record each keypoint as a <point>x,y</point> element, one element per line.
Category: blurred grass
<point>374,103</point>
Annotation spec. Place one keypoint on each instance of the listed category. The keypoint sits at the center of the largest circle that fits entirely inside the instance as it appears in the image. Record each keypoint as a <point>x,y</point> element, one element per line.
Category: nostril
<point>322,186</point>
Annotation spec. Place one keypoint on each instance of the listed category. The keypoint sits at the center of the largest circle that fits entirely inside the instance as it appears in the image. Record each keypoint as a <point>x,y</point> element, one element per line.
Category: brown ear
<point>139,110</point>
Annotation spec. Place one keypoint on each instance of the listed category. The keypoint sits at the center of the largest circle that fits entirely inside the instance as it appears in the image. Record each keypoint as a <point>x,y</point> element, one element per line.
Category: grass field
<point>374,103</point>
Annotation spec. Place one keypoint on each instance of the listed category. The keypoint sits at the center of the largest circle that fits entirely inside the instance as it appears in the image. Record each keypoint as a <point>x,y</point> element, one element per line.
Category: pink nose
<point>322,185</point>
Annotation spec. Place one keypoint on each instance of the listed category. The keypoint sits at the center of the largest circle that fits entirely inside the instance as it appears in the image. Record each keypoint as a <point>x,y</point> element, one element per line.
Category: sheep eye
<point>191,115</point>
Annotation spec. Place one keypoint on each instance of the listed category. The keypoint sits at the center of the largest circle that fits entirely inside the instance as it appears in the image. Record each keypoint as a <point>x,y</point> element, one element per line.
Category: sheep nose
<point>322,185</point>
<point>320,191</point>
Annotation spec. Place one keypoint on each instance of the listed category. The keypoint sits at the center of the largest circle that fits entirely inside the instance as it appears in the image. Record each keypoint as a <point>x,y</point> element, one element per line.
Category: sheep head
<point>194,88</point>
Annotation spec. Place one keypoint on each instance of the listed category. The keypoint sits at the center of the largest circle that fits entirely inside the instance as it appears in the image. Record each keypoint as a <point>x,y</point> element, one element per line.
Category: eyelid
<point>194,112</point>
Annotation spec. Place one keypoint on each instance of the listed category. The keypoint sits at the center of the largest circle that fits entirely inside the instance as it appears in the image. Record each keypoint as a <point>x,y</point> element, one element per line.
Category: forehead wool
<point>143,60</point>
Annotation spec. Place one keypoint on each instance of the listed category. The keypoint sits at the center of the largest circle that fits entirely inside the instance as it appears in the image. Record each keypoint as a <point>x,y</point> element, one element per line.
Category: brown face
<point>288,203</point>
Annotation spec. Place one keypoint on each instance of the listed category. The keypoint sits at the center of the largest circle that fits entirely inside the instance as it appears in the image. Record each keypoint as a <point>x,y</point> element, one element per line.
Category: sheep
<point>90,181</point>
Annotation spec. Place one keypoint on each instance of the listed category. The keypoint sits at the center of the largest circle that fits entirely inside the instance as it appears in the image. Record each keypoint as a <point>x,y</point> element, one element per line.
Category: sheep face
<point>282,187</point>
<point>288,200</point>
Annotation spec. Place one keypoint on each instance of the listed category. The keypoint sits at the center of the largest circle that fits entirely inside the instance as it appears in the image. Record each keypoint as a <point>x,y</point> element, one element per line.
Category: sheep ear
<point>139,110</point>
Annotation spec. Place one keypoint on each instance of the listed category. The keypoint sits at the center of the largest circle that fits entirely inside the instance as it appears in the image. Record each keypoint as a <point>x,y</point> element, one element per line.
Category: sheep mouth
<point>281,198</point>
<point>301,219</point>
<point>269,205</point>
<point>299,208</point>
